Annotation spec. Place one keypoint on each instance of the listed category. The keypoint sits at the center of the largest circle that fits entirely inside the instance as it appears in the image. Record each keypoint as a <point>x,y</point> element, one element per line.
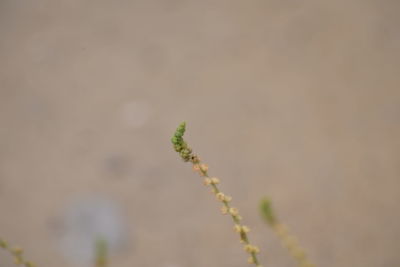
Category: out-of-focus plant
<point>289,241</point>
<point>101,253</point>
<point>17,253</point>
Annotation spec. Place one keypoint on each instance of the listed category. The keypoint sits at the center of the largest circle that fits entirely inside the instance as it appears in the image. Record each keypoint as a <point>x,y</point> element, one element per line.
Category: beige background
<point>298,100</point>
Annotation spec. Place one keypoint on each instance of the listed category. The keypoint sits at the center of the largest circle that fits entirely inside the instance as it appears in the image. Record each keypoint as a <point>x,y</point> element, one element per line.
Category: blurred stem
<point>17,253</point>
<point>288,240</point>
<point>101,252</point>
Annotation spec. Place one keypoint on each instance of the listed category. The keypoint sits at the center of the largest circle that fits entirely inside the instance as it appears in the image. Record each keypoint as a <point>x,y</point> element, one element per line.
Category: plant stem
<point>186,154</point>
<point>17,253</point>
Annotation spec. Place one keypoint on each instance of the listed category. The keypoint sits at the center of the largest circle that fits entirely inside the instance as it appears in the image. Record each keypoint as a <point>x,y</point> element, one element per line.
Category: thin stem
<point>288,240</point>
<point>101,251</point>
<point>17,253</point>
<point>236,219</point>
<point>291,244</point>
<point>186,154</point>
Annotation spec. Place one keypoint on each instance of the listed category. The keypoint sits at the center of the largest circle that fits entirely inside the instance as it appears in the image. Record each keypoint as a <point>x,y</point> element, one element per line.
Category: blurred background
<point>296,100</point>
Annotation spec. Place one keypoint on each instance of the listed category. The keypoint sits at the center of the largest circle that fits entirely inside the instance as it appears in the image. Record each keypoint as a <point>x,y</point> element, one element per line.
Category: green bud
<point>179,134</point>
<point>181,128</point>
<point>175,140</point>
<point>182,125</point>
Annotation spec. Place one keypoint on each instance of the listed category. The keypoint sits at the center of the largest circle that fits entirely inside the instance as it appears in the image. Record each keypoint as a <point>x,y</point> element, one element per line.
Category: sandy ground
<point>297,100</point>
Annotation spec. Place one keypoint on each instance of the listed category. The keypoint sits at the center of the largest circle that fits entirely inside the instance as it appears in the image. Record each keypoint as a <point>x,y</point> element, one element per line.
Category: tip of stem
<point>182,127</point>
<point>266,211</point>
